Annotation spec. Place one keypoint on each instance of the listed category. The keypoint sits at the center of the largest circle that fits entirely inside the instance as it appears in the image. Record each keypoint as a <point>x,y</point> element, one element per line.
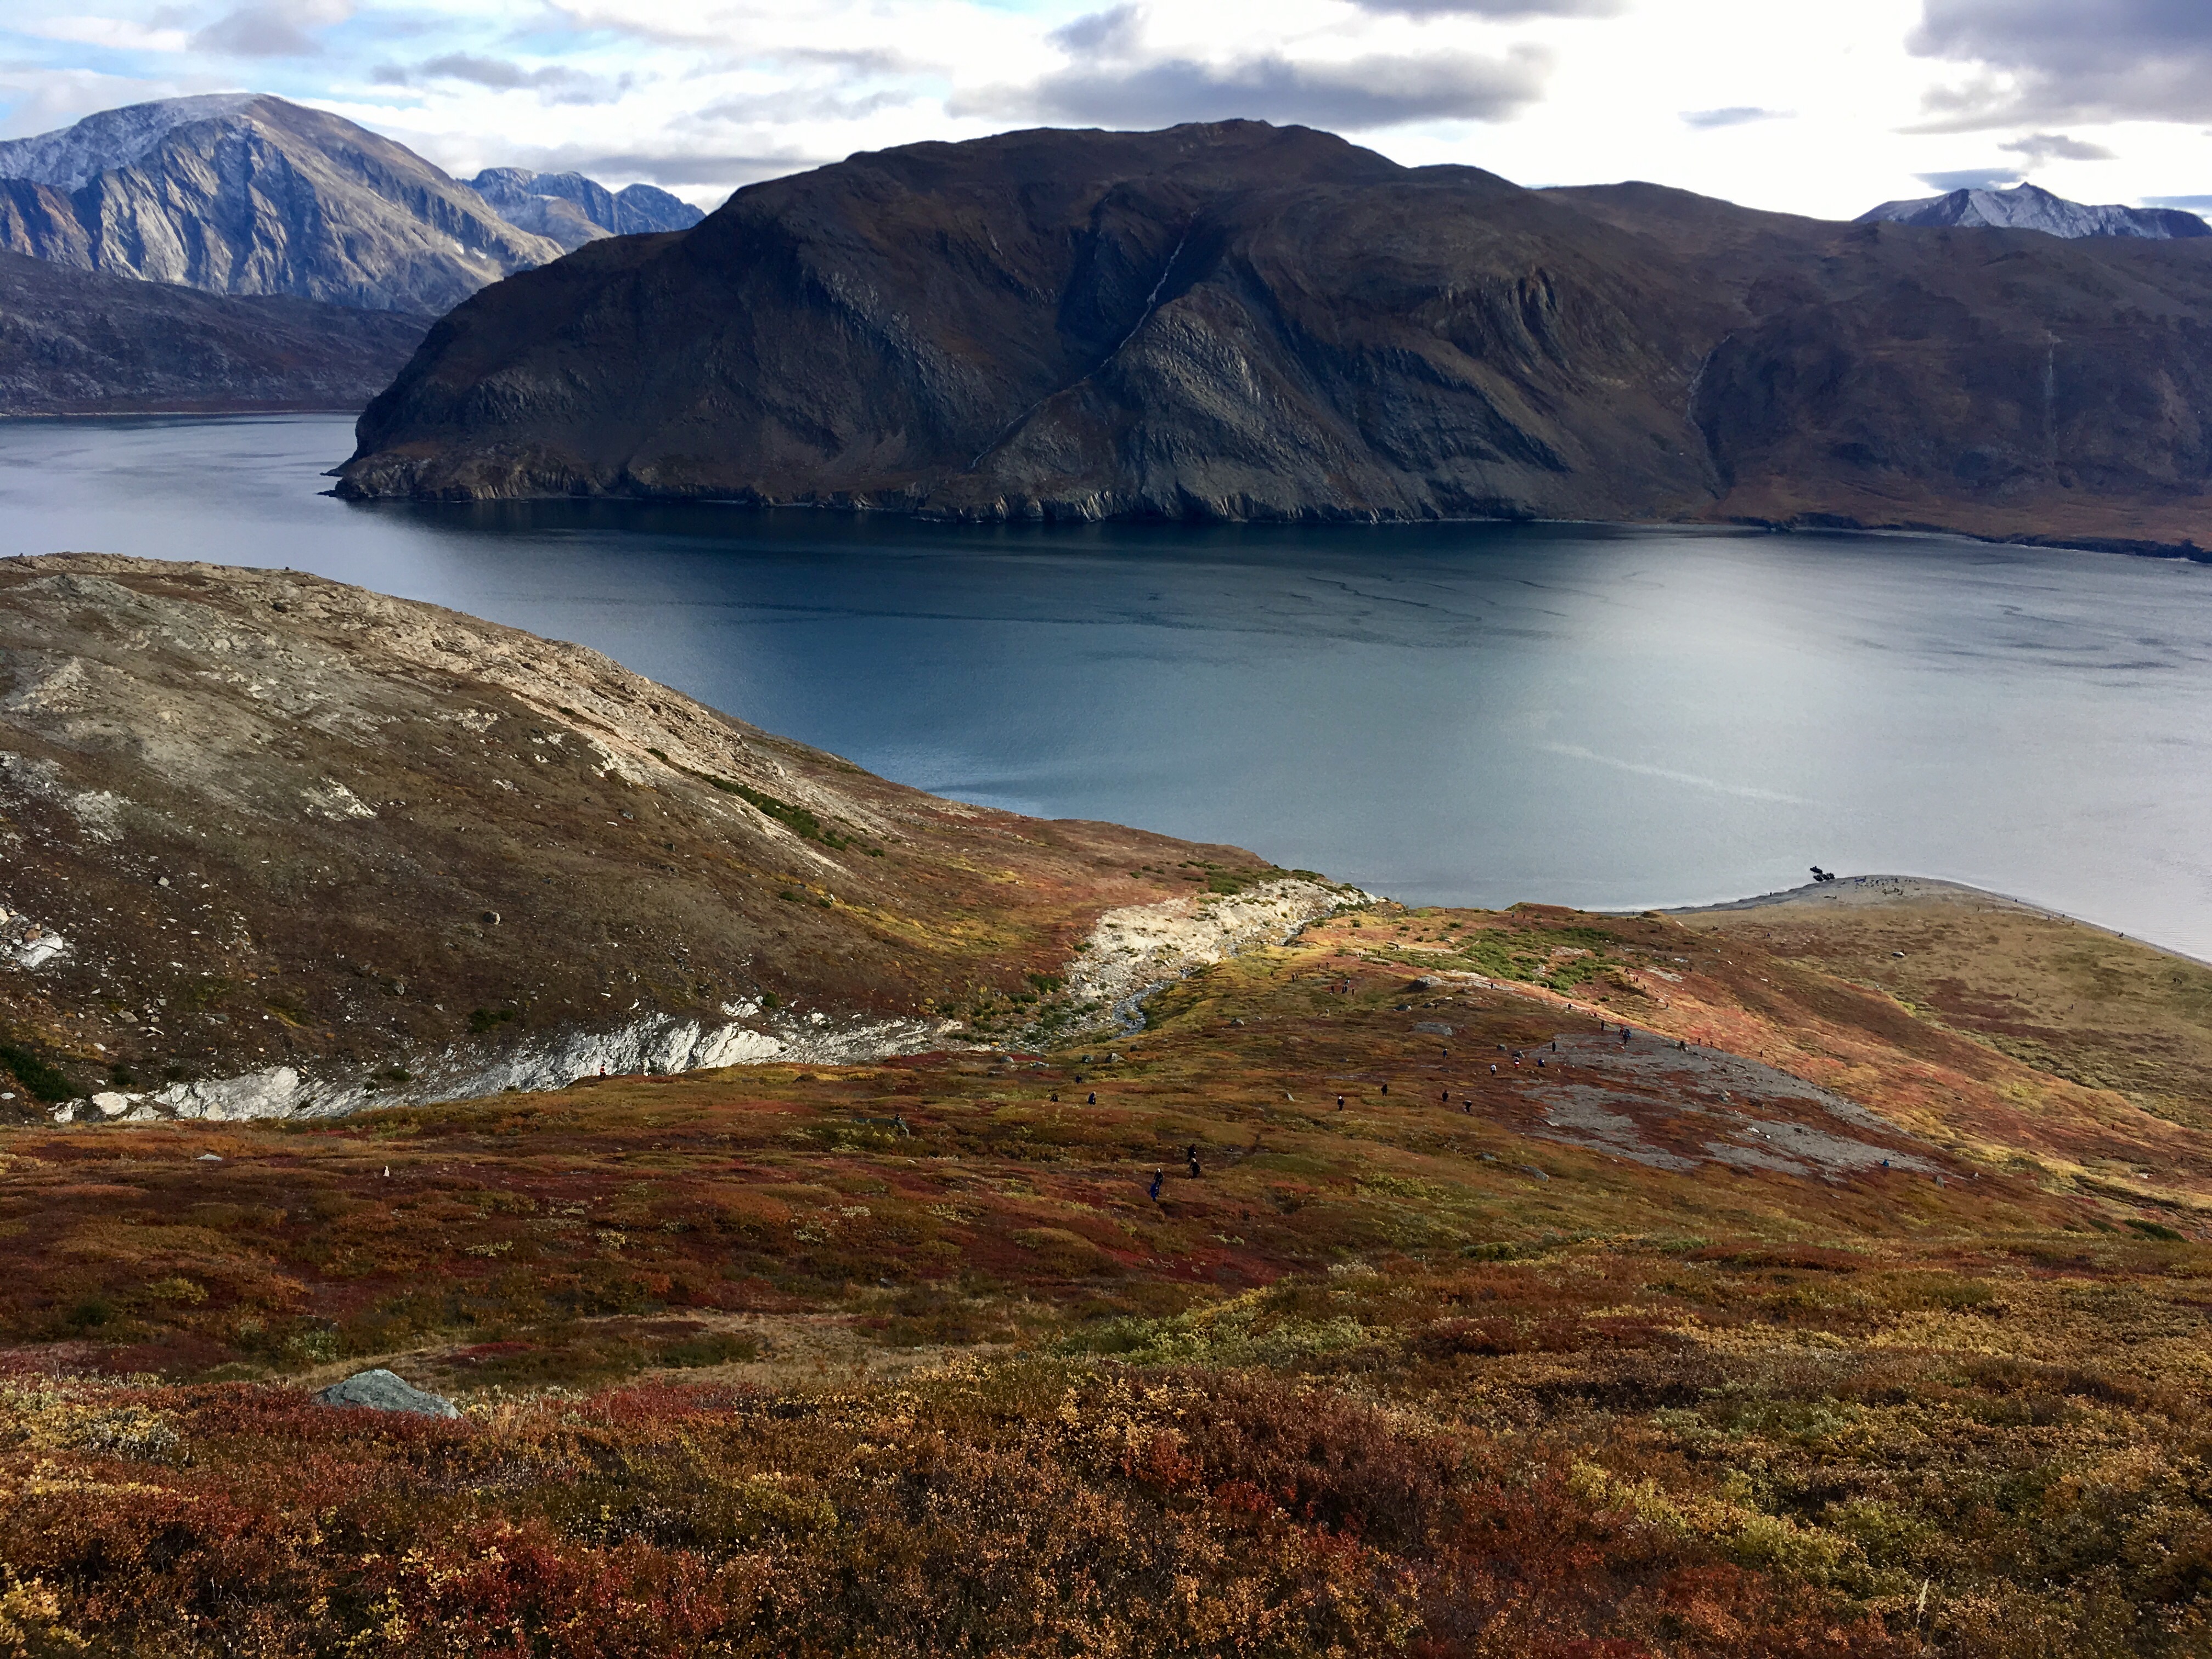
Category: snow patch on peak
<point>72,157</point>
<point>2027,207</point>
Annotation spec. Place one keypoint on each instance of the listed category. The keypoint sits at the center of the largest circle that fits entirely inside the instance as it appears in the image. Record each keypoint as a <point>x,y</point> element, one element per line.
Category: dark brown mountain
<point>82,342</point>
<point>1237,320</point>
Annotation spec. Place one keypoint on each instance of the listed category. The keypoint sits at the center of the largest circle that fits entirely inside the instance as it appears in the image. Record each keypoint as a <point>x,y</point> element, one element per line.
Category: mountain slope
<point>572,210</point>
<point>1232,319</point>
<point>82,342</point>
<point>1241,321</point>
<point>248,194</point>
<point>2025,207</point>
<point>271,843</point>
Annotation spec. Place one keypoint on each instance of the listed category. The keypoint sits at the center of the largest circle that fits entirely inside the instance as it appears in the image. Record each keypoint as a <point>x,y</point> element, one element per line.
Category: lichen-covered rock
<point>382,1391</point>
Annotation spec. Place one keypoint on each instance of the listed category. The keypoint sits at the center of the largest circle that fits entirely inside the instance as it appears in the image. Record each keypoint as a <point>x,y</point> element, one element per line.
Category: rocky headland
<point>275,845</point>
<point>1241,321</point>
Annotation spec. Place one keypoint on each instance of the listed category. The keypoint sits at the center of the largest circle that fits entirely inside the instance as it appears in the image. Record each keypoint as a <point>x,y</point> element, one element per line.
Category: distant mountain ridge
<point>572,210</point>
<point>250,194</point>
<point>76,342</point>
<point>2027,207</point>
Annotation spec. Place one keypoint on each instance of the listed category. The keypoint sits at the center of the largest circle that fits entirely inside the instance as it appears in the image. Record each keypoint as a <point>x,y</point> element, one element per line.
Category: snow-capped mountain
<point>572,210</point>
<point>239,193</point>
<point>73,157</point>
<point>2026,207</point>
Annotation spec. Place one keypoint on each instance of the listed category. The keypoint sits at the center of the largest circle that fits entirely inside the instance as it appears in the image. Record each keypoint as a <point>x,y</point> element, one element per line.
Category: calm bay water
<point>1605,717</point>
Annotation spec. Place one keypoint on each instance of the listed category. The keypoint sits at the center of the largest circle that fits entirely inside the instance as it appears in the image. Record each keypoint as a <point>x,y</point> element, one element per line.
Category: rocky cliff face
<point>269,844</point>
<point>81,341</point>
<point>1234,320</point>
<point>242,194</point>
<point>1242,321</point>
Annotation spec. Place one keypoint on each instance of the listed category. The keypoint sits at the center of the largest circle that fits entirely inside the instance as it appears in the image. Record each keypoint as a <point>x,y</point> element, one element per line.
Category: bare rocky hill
<point>82,342</point>
<point>249,194</point>
<point>270,844</point>
<point>1236,320</point>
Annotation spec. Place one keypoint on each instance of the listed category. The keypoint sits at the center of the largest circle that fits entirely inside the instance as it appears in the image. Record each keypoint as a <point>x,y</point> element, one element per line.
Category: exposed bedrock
<point>270,845</point>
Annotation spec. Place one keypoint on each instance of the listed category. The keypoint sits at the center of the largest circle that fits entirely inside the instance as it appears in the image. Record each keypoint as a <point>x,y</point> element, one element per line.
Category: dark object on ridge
<point>1233,320</point>
<point>1192,1156</point>
<point>1818,874</point>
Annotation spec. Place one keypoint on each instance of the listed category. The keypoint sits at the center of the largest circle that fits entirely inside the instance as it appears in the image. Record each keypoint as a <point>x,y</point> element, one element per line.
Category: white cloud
<point>116,33</point>
<point>287,29</point>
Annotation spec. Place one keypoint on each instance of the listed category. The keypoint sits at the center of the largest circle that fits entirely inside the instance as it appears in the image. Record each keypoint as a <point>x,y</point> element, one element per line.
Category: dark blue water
<point>1469,714</point>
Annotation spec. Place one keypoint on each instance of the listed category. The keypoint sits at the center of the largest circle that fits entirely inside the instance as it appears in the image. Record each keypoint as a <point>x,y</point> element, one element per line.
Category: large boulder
<point>381,1391</point>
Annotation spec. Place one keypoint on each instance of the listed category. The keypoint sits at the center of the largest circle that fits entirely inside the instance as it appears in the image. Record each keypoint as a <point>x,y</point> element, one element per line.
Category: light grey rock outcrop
<point>383,1391</point>
<point>247,194</point>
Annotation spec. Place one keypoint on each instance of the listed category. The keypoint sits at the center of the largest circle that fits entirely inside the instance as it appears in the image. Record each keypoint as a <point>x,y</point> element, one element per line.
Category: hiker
<point>898,1123</point>
<point>1093,1101</point>
<point>1468,1106</point>
<point>1386,1088</point>
<point>1192,1156</point>
<point>1159,1176</point>
<point>1493,1071</point>
<point>1446,1096</point>
<point>1055,1096</point>
<point>1340,1103</point>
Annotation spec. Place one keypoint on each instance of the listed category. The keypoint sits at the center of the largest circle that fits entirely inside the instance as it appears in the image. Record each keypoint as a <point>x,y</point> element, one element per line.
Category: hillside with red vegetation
<point>1768,1313</point>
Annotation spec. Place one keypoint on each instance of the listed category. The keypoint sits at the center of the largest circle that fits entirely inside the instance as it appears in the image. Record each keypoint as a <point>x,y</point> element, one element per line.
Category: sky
<point>1818,107</point>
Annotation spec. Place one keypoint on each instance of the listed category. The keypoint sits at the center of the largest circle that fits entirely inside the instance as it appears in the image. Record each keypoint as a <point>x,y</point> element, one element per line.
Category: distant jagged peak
<point>573,209</point>
<point>71,157</point>
<point>2030,207</point>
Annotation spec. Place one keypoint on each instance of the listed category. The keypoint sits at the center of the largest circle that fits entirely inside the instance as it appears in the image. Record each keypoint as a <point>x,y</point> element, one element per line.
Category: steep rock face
<point>2026,207</point>
<point>271,843</point>
<point>1230,319</point>
<point>253,194</point>
<point>2000,382</point>
<point>1242,321</point>
<point>82,342</point>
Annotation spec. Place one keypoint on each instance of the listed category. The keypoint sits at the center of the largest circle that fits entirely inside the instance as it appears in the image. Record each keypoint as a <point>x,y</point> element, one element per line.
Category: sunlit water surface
<point>1613,718</point>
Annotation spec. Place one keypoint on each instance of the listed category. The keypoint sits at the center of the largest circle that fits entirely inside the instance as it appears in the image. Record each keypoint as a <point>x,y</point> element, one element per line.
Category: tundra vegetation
<point>1855,1304</point>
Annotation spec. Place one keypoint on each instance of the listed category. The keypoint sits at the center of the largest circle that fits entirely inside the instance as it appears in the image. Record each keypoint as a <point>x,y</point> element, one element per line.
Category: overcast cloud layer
<point>1823,107</point>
